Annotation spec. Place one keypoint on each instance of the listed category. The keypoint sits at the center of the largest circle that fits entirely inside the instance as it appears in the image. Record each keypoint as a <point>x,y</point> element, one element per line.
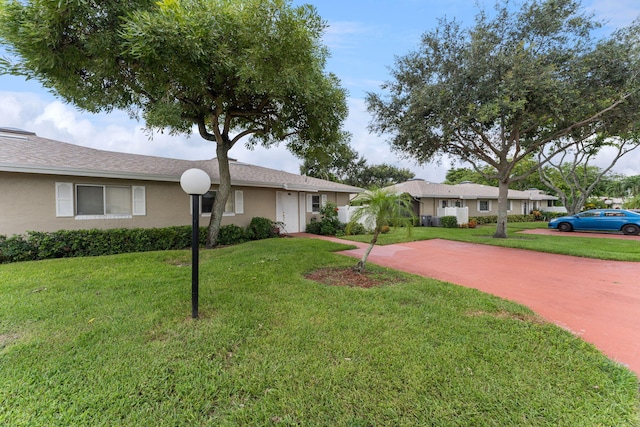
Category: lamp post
<point>195,182</point>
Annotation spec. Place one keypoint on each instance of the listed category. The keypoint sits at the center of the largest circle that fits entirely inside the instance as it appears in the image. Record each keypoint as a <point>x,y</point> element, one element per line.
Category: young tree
<point>515,84</point>
<point>380,208</point>
<point>232,70</point>
<point>572,178</point>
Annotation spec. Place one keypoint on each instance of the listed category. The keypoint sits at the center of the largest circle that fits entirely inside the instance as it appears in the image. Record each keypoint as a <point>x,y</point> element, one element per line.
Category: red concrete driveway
<point>595,299</point>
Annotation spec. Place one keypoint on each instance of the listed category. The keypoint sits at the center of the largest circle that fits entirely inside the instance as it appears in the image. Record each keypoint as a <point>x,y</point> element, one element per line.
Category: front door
<point>287,211</point>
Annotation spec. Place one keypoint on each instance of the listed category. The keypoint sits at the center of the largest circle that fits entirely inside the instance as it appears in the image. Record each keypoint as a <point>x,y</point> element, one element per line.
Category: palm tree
<point>380,208</point>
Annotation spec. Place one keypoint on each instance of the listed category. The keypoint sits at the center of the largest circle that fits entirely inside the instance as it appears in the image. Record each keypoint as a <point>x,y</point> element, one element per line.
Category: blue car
<point>600,220</point>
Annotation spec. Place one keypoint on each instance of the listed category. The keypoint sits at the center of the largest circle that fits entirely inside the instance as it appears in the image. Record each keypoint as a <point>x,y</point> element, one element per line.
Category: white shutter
<point>309,203</point>
<point>139,200</point>
<point>64,199</point>
<point>239,202</point>
<point>323,200</point>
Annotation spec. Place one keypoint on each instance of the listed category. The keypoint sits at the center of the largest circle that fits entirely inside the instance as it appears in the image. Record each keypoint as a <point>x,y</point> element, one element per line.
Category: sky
<point>363,36</point>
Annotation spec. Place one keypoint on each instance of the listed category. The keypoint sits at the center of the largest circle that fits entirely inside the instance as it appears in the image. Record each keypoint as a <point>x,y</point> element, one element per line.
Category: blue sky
<point>364,37</point>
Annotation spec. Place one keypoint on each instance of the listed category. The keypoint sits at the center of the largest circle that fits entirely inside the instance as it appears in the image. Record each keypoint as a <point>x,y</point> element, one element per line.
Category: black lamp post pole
<point>195,245</point>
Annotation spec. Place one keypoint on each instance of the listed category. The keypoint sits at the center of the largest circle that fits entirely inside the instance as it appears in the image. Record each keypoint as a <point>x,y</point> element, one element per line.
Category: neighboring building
<point>432,199</point>
<point>47,185</point>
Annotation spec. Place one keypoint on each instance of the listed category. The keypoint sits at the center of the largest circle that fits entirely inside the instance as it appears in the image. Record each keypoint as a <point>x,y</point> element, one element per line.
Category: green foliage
<point>379,209</point>
<point>329,224</point>
<point>566,244</point>
<point>355,229</point>
<point>632,203</point>
<point>254,70</point>
<point>232,234</point>
<point>492,219</point>
<point>314,226</point>
<point>449,221</point>
<point>37,245</point>
<point>539,84</point>
<point>348,168</point>
<point>108,342</point>
<point>262,228</point>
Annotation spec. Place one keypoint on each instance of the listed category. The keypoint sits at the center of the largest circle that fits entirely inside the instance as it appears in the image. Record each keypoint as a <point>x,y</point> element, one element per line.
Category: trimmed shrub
<point>493,219</point>
<point>449,221</point>
<point>314,226</point>
<point>231,235</point>
<point>330,225</point>
<point>262,228</point>
<point>355,228</point>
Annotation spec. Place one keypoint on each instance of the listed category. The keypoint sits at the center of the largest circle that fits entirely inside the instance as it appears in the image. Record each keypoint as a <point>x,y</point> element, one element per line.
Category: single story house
<point>48,185</point>
<point>432,199</point>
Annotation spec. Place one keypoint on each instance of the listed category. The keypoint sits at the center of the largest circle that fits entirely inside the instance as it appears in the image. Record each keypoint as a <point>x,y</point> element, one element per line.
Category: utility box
<point>435,221</point>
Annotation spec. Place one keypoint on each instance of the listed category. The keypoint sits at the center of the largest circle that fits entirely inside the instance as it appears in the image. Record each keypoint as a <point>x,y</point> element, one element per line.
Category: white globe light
<point>195,181</point>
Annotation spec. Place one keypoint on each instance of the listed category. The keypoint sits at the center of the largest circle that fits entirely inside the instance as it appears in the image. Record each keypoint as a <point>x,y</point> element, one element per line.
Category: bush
<point>449,221</point>
<point>232,235</point>
<point>37,245</point>
<point>262,228</point>
<point>493,219</point>
<point>314,226</point>
<point>329,225</point>
<point>355,228</point>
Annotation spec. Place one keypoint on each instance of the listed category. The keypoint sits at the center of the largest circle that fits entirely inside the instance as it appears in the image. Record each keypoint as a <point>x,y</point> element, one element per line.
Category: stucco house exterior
<point>431,199</point>
<point>48,185</point>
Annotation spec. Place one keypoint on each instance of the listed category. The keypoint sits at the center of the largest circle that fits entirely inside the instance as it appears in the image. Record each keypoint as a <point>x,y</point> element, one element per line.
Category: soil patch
<point>349,277</point>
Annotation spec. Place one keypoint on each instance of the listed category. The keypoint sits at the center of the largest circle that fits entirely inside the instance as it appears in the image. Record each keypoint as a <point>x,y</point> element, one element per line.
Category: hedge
<point>449,221</point>
<point>37,245</point>
<point>493,219</point>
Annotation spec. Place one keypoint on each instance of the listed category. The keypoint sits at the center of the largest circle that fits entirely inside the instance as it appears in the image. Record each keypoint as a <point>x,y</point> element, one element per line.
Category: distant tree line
<point>348,167</point>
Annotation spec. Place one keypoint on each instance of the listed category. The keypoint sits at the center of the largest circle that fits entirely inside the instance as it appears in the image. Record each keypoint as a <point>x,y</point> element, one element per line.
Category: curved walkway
<point>595,299</point>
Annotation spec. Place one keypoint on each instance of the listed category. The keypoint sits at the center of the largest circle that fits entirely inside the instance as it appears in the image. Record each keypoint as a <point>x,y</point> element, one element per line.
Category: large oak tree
<point>249,69</point>
<point>519,82</point>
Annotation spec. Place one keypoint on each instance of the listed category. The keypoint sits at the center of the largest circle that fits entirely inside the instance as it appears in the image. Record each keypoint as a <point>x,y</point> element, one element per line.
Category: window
<point>484,206</point>
<point>103,200</point>
<point>99,200</point>
<point>589,214</point>
<point>315,202</point>
<point>234,205</point>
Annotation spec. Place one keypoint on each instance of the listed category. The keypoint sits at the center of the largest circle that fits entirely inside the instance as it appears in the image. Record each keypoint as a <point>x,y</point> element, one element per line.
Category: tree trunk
<point>360,266</point>
<point>503,206</point>
<point>222,195</point>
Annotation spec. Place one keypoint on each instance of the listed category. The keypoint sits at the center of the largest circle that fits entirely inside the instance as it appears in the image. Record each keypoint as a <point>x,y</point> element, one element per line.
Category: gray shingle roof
<point>423,189</point>
<point>22,151</point>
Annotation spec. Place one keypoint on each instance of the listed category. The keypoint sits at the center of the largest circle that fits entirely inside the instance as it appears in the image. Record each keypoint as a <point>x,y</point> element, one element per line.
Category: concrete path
<point>595,299</point>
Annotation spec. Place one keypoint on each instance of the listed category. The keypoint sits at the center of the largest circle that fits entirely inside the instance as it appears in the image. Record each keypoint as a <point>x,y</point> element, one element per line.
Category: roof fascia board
<point>155,177</point>
<point>88,173</point>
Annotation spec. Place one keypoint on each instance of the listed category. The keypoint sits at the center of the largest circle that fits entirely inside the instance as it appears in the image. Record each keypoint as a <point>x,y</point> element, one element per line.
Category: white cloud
<point>617,13</point>
<point>343,34</point>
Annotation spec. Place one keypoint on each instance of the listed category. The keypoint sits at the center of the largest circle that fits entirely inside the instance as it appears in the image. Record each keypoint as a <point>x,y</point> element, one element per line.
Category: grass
<point>563,243</point>
<point>109,341</point>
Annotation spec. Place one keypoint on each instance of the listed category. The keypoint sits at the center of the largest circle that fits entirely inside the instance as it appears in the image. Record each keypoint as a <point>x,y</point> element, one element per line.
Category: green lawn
<point>109,341</point>
<point>563,243</point>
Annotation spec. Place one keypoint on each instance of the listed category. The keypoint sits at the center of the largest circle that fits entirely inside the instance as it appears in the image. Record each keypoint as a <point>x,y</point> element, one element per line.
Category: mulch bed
<point>347,277</point>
